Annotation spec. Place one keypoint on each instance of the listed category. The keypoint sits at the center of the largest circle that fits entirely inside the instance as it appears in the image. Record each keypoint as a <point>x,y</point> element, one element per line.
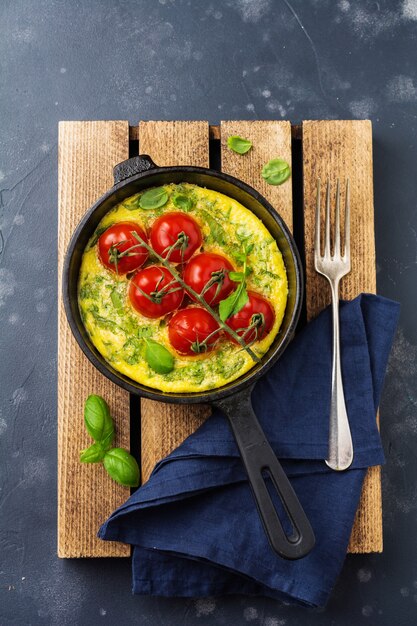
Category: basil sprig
<point>93,454</point>
<point>239,144</point>
<point>276,171</point>
<point>118,462</point>
<point>158,357</point>
<point>153,198</point>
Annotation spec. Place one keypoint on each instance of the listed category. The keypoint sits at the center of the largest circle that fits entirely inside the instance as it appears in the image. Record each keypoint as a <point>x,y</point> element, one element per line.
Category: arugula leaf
<point>237,277</point>
<point>234,303</point>
<point>239,297</point>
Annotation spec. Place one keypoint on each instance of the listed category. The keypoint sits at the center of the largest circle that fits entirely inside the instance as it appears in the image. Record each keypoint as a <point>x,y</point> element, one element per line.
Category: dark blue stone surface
<point>172,59</point>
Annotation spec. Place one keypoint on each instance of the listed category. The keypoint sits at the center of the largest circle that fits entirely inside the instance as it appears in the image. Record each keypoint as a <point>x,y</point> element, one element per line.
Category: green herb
<point>270,274</point>
<point>135,348</point>
<point>158,357</point>
<point>96,236</point>
<point>276,171</point>
<point>105,323</point>
<point>238,144</point>
<point>230,368</point>
<point>116,299</point>
<point>243,235</point>
<point>153,198</point>
<point>93,454</point>
<point>194,371</point>
<point>237,277</point>
<point>98,421</point>
<point>239,297</point>
<point>84,292</point>
<point>217,232</point>
<point>145,331</point>
<point>122,467</point>
<point>233,303</point>
<point>182,202</point>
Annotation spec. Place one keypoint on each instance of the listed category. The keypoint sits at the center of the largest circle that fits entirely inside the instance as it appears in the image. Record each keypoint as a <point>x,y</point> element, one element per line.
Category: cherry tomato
<point>118,239</point>
<point>176,236</point>
<point>209,272</point>
<point>254,321</point>
<point>193,331</point>
<point>154,292</point>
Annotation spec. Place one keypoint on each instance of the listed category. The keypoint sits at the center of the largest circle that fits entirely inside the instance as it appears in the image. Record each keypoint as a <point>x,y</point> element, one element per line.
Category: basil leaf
<point>238,144</point>
<point>122,467</point>
<point>93,454</point>
<point>153,198</point>
<point>116,299</point>
<point>158,357</point>
<point>276,171</point>
<point>98,421</point>
<point>182,202</point>
<point>233,303</point>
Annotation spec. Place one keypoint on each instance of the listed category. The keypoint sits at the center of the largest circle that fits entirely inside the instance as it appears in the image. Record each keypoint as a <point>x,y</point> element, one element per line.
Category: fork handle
<point>340,439</point>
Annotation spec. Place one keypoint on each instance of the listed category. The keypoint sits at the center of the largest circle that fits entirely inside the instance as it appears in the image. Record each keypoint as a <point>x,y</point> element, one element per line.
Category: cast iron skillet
<point>234,399</point>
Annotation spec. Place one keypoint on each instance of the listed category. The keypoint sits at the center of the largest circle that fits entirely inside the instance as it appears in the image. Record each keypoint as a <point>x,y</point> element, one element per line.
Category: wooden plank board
<point>331,150</point>
<point>87,153</point>
<point>86,496</point>
<point>165,426</point>
<point>270,140</point>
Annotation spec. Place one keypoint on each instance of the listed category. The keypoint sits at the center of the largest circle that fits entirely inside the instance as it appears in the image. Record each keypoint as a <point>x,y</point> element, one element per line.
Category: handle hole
<point>290,530</point>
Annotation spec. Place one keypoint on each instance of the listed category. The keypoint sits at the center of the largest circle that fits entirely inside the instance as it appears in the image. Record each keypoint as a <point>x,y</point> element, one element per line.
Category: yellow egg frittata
<point>119,332</point>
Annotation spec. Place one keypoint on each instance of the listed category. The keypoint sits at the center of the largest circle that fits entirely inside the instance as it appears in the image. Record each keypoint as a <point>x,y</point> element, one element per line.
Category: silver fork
<point>334,268</point>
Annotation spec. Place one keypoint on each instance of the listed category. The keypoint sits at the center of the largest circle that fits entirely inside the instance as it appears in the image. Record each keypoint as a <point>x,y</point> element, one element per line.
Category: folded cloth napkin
<point>194,525</point>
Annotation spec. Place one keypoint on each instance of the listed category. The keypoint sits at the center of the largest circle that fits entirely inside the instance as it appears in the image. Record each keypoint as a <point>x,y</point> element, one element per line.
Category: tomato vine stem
<point>197,297</point>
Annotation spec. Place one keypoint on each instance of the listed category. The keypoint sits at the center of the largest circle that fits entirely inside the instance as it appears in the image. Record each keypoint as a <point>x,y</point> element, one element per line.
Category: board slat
<point>165,426</point>
<point>270,140</point>
<point>331,150</point>
<point>86,495</point>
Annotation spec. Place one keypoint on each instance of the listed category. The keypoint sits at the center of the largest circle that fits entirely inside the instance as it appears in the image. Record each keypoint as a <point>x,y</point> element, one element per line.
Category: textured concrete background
<point>174,59</point>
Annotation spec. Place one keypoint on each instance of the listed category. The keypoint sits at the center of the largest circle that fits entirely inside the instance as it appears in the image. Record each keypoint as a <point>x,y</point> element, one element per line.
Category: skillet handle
<point>258,457</point>
<point>130,167</point>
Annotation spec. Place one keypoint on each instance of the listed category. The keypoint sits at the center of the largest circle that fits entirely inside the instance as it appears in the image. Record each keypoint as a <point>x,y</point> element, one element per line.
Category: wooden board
<point>87,153</point>
<point>165,426</point>
<point>331,150</point>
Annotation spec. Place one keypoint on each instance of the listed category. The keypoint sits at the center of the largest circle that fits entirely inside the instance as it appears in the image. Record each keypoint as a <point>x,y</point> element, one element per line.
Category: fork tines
<point>337,234</point>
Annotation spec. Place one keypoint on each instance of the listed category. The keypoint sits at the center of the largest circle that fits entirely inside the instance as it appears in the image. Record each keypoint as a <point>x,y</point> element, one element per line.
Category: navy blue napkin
<point>194,525</point>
